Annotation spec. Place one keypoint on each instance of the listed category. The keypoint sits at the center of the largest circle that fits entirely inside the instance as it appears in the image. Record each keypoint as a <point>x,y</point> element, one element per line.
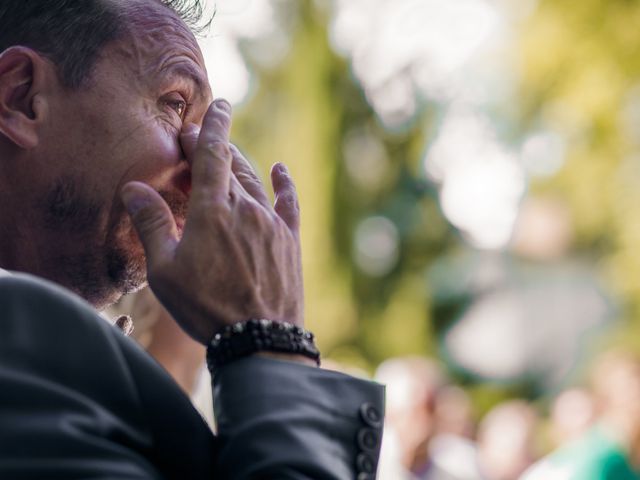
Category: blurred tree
<point>580,67</point>
<point>365,292</point>
<point>372,225</point>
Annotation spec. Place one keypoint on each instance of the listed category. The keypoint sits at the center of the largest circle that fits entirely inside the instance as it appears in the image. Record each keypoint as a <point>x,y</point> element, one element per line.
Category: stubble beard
<point>106,259</point>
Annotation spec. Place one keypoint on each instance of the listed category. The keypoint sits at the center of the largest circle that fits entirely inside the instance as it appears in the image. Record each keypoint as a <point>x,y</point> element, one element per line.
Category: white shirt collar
<point>4,273</point>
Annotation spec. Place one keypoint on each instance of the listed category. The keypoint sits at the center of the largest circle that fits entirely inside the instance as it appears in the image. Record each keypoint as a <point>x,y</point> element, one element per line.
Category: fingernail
<point>282,168</point>
<point>223,105</point>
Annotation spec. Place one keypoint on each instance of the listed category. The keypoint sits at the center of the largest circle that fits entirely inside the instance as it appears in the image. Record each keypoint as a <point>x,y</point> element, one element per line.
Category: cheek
<point>157,152</point>
<point>149,155</point>
<point>166,146</point>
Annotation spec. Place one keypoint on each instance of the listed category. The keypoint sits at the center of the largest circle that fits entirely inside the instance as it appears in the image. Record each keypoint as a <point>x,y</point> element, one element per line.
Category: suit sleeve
<point>68,408</point>
<point>76,402</point>
<point>282,420</point>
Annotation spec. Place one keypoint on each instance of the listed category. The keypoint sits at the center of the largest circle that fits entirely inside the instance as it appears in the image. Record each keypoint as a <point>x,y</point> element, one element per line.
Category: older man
<point>101,152</point>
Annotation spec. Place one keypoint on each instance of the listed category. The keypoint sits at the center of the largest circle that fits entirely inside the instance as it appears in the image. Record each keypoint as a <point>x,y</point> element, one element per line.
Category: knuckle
<point>250,210</point>
<point>149,221</point>
<point>220,111</point>
<point>248,179</point>
<point>286,185</point>
<point>209,205</point>
<point>244,164</point>
<point>245,177</point>
<point>284,176</point>
<point>217,149</point>
<point>221,121</point>
<point>288,199</point>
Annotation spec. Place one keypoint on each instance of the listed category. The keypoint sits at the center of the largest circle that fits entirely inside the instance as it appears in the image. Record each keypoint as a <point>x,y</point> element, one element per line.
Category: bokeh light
<point>468,173</point>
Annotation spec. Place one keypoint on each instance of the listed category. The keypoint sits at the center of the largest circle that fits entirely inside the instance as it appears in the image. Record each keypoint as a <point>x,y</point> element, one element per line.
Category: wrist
<point>264,337</point>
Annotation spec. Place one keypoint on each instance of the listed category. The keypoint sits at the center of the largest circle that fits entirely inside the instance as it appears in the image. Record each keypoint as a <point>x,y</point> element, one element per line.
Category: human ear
<point>22,74</point>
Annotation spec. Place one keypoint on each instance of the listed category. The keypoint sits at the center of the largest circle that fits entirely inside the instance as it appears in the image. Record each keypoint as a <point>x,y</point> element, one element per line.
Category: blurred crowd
<point>586,432</point>
<point>589,431</point>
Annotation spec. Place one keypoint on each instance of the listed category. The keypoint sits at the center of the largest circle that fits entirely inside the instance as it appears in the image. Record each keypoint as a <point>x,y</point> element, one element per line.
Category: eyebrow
<point>189,72</point>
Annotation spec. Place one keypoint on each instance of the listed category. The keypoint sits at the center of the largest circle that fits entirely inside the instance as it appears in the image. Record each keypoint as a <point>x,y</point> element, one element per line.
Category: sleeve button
<point>371,415</point>
<point>368,440</point>
<point>365,463</point>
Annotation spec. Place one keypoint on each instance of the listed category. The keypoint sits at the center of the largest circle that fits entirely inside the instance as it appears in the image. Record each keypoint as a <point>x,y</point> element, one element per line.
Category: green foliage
<point>303,113</point>
<point>580,74</point>
<point>579,64</point>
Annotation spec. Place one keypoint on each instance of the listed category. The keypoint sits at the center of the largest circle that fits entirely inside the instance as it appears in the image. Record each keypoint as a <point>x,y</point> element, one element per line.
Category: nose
<point>189,140</point>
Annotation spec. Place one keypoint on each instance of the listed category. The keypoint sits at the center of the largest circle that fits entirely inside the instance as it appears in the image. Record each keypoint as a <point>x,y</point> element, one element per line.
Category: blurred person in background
<point>454,412</point>
<point>572,413</point>
<point>610,449</point>
<point>452,449</point>
<point>412,384</point>
<point>506,440</point>
<point>413,388</point>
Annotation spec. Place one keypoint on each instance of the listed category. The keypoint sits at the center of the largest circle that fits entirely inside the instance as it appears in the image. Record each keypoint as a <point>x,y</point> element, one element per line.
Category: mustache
<point>178,203</point>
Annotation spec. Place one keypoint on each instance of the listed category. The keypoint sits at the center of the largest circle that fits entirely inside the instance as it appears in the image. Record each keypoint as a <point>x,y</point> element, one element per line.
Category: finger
<point>189,140</point>
<point>152,220</point>
<point>247,177</point>
<point>211,161</point>
<point>286,202</point>
<point>236,190</point>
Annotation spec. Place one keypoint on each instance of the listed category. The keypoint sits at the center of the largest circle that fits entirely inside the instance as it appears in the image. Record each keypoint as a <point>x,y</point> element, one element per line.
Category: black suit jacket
<point>79,400</point>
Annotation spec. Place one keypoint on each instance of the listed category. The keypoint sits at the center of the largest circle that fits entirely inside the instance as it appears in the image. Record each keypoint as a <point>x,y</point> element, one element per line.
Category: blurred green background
<point>468,171</point>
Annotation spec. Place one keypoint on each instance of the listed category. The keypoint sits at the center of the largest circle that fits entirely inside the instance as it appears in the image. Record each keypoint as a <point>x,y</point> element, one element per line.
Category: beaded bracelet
<point>245,338</point>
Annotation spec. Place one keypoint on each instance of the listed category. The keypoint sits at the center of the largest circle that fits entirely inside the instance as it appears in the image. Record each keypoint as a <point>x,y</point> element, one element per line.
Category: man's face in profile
<point>123,126</point>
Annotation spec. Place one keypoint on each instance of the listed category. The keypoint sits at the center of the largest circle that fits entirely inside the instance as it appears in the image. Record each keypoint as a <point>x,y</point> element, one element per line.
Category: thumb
<point>152,220</point>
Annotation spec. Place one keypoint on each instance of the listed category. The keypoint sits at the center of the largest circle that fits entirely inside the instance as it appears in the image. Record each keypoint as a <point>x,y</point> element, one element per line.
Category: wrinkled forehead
<point>154,33</point>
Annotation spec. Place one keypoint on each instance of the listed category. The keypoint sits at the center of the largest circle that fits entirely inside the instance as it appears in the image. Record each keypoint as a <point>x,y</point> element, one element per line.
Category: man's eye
<point>178,105</point>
